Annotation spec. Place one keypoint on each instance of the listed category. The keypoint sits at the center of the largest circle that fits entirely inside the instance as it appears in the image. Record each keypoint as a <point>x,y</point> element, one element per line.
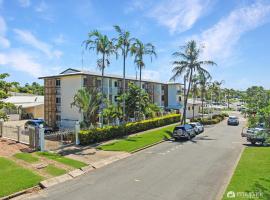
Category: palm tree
<point>195,92</point>
<point>139,49</point>
<point>203,82</point>
<point>188,64</point>
<point>124,43</point>
<point>88,102</point>
<point>104,46</point>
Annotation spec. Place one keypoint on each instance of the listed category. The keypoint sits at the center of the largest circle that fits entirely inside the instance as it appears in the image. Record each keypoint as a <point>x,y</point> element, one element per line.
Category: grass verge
<point>136,142</point>
<point>27,157</point>
<point>62,159</point>
<point>14,178</point>
<point>54,171</point>
<point>251,179</point>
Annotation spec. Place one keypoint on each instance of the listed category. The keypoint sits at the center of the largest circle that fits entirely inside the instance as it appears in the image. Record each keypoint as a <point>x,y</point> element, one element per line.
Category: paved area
<point>197,169</point>
<point>9,147</point>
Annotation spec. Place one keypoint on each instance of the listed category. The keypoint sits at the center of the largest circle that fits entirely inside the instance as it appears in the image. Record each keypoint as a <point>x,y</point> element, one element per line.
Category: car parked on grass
<point>37,123</point>
<point>183,131</point>
<point>233,120</point>
<point>198,127</point>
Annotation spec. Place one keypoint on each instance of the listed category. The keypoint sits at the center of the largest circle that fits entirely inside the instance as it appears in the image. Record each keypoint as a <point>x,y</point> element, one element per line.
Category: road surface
<point>197,169</point>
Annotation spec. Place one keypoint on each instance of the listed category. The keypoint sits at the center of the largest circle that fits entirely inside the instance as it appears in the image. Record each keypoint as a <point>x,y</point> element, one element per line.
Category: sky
<point>44,37</point>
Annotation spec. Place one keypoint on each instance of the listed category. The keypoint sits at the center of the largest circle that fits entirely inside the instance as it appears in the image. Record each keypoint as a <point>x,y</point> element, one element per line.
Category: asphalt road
<point>197,169</point>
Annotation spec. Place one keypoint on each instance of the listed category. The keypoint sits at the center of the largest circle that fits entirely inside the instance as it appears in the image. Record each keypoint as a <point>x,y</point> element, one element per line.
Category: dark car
<point>233,121</point>
<point>183,131</point>
<point>38,123</point>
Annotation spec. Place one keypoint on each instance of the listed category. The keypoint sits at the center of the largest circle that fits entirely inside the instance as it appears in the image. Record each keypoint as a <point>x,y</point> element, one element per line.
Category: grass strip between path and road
<point>27,157</point>
<point>67,161</point>
<point>251,179</point>
<point>135,142</point>
<point>14,178</point>
<point>54,171</point>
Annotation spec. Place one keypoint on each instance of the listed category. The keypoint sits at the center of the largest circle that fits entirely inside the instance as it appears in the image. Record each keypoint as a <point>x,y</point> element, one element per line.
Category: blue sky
<point>39,37</point>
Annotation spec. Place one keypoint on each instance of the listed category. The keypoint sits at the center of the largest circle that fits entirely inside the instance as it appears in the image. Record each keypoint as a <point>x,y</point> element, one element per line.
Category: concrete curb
<point>19,193</point>
<point>55,180</point>
<point>148,146</point>
<point>228,180</point>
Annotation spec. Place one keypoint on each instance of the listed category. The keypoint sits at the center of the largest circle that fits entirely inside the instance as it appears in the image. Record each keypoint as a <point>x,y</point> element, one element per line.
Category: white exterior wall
<point>69,87</point>
<point>190,112</point>
<point>173,95</point>
<point>157,94</point>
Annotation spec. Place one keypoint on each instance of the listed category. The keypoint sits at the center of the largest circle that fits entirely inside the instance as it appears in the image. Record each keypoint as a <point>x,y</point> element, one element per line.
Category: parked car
<point>232,120</point>
<point>198,127</point>
<point>258,135</point>
<point>183,131</point>
<point>38,123</point>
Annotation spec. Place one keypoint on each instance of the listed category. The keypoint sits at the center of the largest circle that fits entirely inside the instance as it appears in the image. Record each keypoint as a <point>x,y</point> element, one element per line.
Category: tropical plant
<point>188,64</point>
<point>104,46</point>
<point>139,50</point>
<point>87,101</point>
<point>112,112</point>
<point>203,82</point>
<point>123,44</point>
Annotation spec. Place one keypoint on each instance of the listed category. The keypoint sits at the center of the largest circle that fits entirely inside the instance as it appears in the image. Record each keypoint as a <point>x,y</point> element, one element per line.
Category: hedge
<point>95,135</point>
<point>208,121</point>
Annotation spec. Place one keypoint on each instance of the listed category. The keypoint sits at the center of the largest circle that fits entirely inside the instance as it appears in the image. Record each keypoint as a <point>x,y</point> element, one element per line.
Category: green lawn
<point>54,171</point>
<point>62,159</point>
<point>14,178</point>
<point>252,175</point>
<point>27,157</point>
<point>133,143</point>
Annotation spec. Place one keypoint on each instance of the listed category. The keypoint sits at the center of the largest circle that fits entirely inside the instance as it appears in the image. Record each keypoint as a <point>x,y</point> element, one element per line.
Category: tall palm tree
<point>203,82</point>
<point>88,102</point>
<point>188,64</point>
<point>123,43</point>
<point>139,50</point>
<point>103,46</point>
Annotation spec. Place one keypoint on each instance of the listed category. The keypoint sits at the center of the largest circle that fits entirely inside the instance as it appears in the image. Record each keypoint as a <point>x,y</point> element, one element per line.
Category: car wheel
<point>188,137</point>
<point>253,142</point>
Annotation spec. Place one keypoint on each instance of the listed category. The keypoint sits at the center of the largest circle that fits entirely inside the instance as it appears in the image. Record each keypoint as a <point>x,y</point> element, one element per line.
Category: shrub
<point>208,121</point>
<point>110,132</point>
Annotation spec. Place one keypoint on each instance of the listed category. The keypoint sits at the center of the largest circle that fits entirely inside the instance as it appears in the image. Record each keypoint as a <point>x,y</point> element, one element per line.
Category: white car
<point>198,127</point>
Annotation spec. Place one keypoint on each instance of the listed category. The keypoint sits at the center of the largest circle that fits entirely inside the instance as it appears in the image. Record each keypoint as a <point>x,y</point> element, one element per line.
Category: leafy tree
<point>87,101</point>
<point>189,64</point>
<point>104,46</point>
<point>112,112</point>
<point>123,44</point>
<point>203,82</point>
<point>34,88</point>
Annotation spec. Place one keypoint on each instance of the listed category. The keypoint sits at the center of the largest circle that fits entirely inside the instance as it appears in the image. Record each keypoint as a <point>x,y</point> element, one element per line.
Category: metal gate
<point>19,134</point>
<point>59,139</point>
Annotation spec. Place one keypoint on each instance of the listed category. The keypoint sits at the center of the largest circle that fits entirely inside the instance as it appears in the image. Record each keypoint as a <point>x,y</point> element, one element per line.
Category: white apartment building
<point>60,90</point>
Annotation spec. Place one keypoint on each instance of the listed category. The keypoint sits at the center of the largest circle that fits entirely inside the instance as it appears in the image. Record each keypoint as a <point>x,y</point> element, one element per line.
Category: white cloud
<point>28,38</point>
<point>24,3</point>
<point>178,15</point>
<point>21,61</point>
<point>41,7</point>
<point>221,39</point>
<point>4,42</point>
<point>60,39</point>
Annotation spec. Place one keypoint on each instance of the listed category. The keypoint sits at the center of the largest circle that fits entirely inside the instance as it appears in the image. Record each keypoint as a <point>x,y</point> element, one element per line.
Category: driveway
<point>197,169</point>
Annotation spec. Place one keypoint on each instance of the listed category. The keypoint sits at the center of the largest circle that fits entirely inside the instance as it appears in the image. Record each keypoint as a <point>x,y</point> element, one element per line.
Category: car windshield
<point>40,123</point>
<point>179,128</point>
<point>233,118</point>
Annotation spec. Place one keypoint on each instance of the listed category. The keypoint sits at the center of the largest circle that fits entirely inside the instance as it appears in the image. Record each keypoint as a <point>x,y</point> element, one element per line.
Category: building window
<point>84,82</point>
<point>58,117</point>
<point>98,83</point>
<point>189,108</point>
<point>192,107</point>
<point>180,98</point>
<point>115,98</point>
<point>115,84</point>
<point>162,98</point>
<point>58,100</point>
<point>58,82</point>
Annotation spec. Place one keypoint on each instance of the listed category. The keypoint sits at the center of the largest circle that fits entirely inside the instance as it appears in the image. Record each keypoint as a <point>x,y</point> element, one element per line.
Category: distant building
<point>27,106</point>
<point>60,90</point>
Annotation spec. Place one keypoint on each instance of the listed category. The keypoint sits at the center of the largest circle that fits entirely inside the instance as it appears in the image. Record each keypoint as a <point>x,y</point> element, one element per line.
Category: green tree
<point>188,64</point>
<point>105,47</point>
<point>123,44</point>
<point>203,82</point>
<point>87,101</point>
<point>112,112</point>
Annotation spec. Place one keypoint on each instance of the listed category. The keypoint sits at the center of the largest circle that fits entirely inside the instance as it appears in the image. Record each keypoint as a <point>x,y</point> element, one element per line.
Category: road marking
<point>137,180</point>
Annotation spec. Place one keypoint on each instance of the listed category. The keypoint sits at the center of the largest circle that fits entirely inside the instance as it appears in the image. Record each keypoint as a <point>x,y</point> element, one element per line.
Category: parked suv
<point>198,127</point>
<point>37,123</point>
<point>183,131</point>
<point>233,121</point>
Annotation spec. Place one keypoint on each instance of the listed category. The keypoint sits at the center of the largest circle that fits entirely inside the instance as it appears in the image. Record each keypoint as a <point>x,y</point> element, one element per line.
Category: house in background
<point>27,106</point>
<point>60,89</point>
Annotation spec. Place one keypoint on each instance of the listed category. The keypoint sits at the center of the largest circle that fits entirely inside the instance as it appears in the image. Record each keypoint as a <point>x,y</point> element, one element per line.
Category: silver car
<point>198,127</point>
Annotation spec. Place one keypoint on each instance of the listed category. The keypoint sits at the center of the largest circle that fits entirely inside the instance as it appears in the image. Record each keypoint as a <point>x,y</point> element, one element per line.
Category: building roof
<point>74,72</point>
<point>25,101</point>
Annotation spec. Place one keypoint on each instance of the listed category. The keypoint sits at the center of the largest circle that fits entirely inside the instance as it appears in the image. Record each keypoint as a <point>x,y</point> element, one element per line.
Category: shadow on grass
<point>260,189</point>
<point>256,145</point>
